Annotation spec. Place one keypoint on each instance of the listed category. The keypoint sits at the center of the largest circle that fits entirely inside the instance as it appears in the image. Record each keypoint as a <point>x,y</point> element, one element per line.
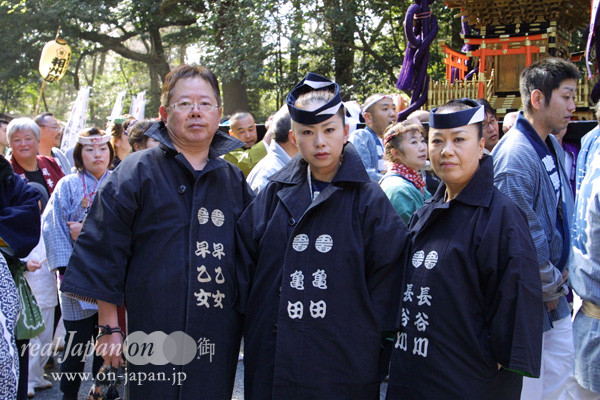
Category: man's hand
<point>33,265</point>
<point>74,229</point>
<point>110,348</point>
<point>565,276</point>
<point>551,305</point>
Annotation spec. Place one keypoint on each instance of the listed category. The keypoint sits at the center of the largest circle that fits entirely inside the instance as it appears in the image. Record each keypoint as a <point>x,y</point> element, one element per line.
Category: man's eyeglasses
<point>187,106</point>
<point>487,124</point>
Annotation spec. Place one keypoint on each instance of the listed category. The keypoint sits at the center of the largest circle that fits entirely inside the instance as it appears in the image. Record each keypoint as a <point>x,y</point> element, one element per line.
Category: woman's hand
<point>33,265</point>
<point>74,229</point>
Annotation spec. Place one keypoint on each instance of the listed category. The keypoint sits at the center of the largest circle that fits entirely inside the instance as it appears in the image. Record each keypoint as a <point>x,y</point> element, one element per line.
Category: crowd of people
<point>437,257</point>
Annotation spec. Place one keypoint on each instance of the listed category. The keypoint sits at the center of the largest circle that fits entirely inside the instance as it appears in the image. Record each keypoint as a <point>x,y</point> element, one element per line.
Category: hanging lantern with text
<point>55,60</point>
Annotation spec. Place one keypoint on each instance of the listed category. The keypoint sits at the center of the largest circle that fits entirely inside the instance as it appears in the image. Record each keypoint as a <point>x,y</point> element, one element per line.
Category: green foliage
<point>265,47</point>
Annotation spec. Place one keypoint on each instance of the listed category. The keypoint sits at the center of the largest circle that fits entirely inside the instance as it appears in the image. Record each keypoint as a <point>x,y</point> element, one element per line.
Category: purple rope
<point>595,94</point>
<point>466,30</point>
<point>420,27</point>
<point>472,72</point>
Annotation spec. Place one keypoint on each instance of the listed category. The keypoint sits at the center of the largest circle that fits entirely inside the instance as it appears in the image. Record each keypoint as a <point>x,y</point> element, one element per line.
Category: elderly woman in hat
<point>470,320</point>
<point>61,224</point>
<point>318,275</point>
<point>23,135</point>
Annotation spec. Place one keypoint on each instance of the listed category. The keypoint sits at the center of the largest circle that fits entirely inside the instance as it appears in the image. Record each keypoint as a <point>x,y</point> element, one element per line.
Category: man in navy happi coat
<point>160,237</point>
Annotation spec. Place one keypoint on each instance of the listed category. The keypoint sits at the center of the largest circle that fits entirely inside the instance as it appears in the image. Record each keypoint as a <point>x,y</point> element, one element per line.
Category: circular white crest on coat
<point>217,217</point>
<point>300,242</point>
<point>324,243</point>
<point>417,259</point>
<point>431,259</point>
<point>202,215</point>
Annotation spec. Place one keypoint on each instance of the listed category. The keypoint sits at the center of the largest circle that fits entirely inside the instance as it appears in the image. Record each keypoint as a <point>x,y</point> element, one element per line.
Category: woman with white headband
<point>470,324</point>
<point>61,224</point>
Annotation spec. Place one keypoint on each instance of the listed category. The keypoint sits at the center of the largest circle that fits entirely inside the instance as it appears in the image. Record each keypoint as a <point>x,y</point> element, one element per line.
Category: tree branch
<point>366,47</point>
<point>116,45</point>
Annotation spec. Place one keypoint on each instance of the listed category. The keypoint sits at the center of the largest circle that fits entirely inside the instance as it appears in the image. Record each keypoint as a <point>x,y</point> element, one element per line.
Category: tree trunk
<point>234,90</point>
<point>153,96</point>
<point>342,26</point>
<point>295,41</point>
<point>158,69</point>
<point>235,96</point>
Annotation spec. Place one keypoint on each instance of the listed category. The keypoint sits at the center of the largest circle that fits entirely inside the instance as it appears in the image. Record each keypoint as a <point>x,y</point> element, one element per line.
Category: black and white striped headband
<point>311,83</point>
<point>457,118</point>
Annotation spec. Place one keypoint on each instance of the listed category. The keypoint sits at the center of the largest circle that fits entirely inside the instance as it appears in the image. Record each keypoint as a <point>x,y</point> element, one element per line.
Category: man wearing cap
<point>243,127</point>
<point>529,168</point>
<point>160,237</point>
<point>379,112</point>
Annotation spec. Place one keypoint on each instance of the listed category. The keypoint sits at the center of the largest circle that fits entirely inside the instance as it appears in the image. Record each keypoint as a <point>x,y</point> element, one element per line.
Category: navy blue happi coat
<point>19,211</point>
<point>160,236</point>
<point>471,299</point>
<point>319,284</point>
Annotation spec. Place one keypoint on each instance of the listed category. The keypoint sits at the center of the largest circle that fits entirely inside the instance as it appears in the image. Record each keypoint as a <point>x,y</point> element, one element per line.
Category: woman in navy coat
<point>322,250</point>
<point>470,324</point>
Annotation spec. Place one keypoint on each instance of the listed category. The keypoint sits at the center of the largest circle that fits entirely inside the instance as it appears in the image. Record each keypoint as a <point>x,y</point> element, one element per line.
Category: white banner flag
<point>118,107</point>
<point>138,106</point>
<point>77,119</point>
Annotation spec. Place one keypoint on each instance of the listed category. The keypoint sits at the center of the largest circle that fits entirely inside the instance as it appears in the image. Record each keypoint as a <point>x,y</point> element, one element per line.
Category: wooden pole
<point>39,100</point>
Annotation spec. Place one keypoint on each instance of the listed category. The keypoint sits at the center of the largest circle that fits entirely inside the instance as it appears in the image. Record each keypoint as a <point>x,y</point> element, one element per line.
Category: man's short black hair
<point>281,125</point>
<point>239,114</point>
<point>487,106</point>
<point>41,118</point>
<point>545,75</point>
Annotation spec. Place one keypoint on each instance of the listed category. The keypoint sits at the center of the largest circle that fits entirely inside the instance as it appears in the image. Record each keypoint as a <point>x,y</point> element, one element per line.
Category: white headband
<point>93,139</point>
<point>375,100</point>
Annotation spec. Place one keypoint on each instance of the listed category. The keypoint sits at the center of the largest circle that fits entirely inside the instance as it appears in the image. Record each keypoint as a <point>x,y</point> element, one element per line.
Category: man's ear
<point>162,111</point>
<point>538,100</point>
<point>368,118</point>
<point>292,138</point>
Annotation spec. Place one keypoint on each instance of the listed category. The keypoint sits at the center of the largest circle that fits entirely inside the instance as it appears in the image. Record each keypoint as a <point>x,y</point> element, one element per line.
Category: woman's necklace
<point>88,198</point>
